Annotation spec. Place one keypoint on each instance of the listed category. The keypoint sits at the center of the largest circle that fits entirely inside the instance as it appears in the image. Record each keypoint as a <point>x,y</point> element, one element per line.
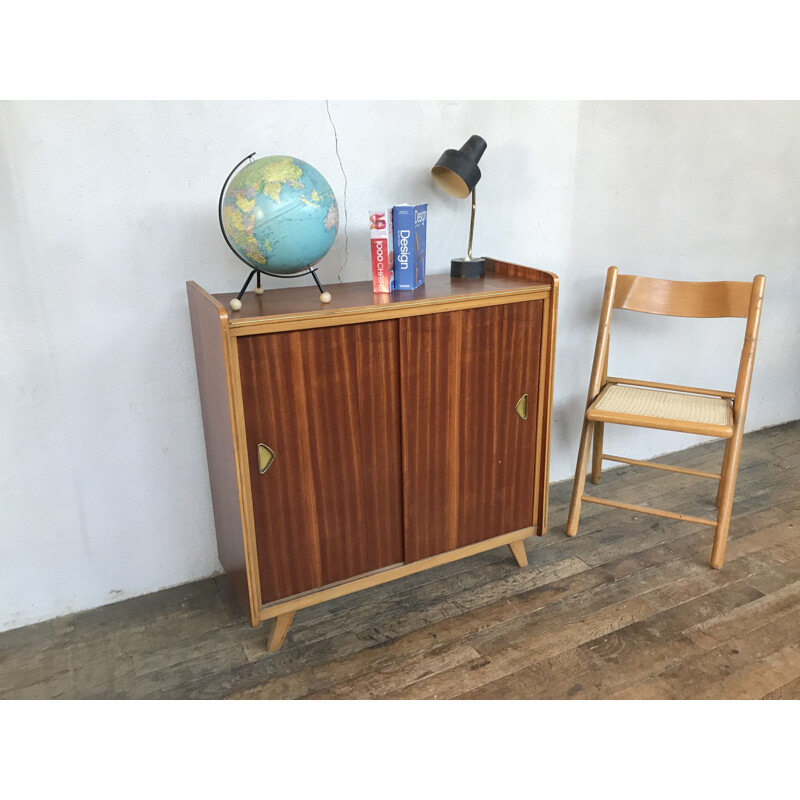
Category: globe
<point>279,215</point>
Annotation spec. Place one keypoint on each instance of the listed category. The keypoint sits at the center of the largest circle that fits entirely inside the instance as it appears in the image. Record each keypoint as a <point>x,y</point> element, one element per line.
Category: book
<point>382,249</point>
<point>410,226</point>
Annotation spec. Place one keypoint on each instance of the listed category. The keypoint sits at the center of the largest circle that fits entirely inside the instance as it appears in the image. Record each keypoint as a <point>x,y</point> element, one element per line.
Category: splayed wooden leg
<point>518,549</point>
<point>279,631</point>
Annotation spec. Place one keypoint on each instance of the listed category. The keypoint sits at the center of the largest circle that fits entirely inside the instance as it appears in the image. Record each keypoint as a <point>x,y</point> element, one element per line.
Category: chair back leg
<point>597,453</point>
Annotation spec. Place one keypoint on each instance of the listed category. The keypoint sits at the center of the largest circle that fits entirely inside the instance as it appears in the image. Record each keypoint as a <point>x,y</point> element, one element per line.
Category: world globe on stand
<point>279,215</point>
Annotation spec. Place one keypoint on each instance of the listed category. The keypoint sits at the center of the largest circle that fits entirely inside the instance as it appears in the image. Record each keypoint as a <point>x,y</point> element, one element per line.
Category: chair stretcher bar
<point>715,475</point>
<point>656,512</point>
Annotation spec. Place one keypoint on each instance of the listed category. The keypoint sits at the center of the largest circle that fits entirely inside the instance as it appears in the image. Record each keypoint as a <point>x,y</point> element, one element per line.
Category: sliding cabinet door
<point>469,383</point>
<point>322,421</point>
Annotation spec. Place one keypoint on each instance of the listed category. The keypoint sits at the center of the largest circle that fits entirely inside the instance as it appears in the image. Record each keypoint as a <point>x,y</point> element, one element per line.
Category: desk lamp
<point>457,173</point>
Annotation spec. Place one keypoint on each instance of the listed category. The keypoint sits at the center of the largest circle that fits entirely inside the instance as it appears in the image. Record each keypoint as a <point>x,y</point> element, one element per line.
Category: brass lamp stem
<point>471,227</point>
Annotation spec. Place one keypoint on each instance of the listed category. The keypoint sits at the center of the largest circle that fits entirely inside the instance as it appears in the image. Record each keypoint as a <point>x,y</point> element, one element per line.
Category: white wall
<point>106,209</point>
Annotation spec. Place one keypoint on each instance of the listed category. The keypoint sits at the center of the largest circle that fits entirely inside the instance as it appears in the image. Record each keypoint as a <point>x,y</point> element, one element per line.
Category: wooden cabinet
<point>354,443</point>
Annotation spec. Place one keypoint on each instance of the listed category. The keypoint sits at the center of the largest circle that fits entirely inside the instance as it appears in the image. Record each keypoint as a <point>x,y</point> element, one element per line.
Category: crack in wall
<point>344,203</point>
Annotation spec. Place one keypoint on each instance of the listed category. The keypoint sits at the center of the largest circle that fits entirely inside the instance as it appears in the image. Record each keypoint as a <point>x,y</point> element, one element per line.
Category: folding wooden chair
<point>668,407</point>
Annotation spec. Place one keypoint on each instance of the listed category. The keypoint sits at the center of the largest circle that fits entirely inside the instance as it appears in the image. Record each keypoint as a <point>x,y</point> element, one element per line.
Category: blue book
<point>410,225</point>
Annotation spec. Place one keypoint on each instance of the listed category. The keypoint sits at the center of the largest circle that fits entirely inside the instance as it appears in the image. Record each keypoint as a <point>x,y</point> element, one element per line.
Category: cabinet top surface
<point>304,300</point>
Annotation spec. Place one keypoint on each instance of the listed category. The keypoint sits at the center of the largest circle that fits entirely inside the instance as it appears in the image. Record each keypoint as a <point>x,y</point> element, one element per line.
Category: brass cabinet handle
<point>522,407</point>
<point>266,455</point>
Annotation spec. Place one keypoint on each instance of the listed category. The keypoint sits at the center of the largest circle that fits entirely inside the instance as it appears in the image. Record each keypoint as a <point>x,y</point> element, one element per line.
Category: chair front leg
<point>580,477</point>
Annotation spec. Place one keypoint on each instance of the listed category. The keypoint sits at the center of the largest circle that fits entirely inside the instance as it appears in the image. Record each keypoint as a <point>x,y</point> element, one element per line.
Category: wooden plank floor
<point>628,609</point>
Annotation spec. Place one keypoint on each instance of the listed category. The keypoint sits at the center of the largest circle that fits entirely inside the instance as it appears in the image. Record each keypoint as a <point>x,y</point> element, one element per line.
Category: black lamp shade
<point>456,172</point>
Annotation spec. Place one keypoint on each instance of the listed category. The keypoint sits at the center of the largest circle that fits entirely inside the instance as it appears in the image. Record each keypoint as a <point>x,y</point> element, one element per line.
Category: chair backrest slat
<point>683,298</point>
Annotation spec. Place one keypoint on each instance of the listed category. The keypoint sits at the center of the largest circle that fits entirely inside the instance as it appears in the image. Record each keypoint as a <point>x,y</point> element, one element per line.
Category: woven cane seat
<point>655,408</point>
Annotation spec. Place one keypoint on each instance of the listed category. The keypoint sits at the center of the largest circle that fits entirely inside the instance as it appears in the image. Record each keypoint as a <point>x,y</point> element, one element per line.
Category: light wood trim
<point>550,352</point>
<point>243,468</point>
<point>661,424</point>
<point>683,298</point>
<point>667,467</point>
<point>671,387</point>
<point>538,486</point>
<point>296,322</point>
<point>518,551</point>
<point>331,592</point>
<point>279,631</point>
<point>656,512</point>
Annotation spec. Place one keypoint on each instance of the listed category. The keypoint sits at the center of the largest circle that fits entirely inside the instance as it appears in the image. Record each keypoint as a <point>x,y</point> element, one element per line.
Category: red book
<point>381,244</point>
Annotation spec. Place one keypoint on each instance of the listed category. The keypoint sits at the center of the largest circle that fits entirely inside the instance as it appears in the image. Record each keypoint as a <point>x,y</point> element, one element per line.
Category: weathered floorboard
<point>629,609</point>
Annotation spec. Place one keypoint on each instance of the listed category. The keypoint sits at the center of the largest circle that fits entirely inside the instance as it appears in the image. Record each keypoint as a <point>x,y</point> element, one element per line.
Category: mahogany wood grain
<point>209,318</point>
<point>327,401</point>
<point>498,268</point>
<point>469,460</point>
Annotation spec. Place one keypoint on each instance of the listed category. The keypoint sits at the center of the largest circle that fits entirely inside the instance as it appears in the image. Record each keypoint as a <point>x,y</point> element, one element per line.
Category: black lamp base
<point>467,267</point>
